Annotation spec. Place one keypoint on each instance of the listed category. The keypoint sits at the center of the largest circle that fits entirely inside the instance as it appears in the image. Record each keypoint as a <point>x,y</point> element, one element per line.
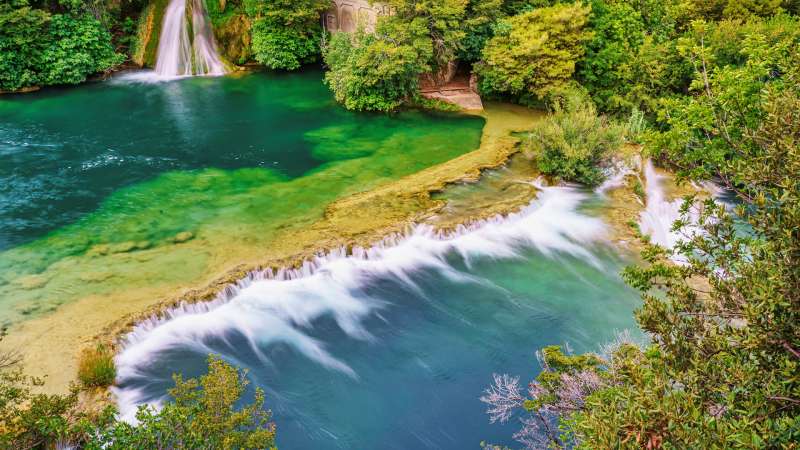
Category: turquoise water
<point>393,351</point>
<point>97,181</point>
<point>388,349</point>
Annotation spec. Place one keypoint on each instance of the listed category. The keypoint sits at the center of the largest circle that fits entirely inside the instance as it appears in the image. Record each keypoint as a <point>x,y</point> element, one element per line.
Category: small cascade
<point>180,54</point>
<point>278,306</point>
<point>659,214</point>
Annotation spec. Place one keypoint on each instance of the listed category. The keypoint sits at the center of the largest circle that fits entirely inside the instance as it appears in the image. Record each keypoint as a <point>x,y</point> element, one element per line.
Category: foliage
<point>481,16</point>
<point>39,48</point>
<point>286,33</point>
<point>21,45</point>
<point>618,34</point>
<point>203,415</point>
<point>723,369</point>
<point>29,420</point>
<point>534,53</point>
<point>443,20</point>
<point>78,46</point>
<point>96,367</point>
<point>560,389</point>
<point>574,143</point>
<point>378,71</point>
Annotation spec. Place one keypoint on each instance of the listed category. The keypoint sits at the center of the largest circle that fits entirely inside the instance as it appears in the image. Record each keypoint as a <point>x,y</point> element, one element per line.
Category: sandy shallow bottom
<point>51,343</point>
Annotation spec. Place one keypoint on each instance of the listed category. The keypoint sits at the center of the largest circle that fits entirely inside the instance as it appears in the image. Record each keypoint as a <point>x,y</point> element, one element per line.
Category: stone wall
<point>345,15</point>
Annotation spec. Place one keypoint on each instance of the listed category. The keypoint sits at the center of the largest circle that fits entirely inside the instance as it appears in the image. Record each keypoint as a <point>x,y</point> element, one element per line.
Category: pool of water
<point>393,349</point>
<point>96,180</point>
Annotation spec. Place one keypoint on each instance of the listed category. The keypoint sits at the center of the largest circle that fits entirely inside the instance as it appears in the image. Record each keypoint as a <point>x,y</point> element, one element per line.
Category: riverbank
<point>52,342</point>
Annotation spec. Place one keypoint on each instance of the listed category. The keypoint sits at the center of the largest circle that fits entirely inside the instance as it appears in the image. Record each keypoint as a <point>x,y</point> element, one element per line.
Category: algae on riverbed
<point>105,270</point>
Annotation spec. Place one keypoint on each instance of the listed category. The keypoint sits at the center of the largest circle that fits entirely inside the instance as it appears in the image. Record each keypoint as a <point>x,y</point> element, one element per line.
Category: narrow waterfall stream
<point>180,54</point>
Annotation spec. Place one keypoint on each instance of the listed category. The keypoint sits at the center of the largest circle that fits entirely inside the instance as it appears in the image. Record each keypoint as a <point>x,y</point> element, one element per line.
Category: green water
<point>102,185</point>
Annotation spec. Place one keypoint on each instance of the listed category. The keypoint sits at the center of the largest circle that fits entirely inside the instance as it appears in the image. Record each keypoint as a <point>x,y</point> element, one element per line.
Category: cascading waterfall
<point>270,307</point>
<point>178,55</point>
<point>659,214</point>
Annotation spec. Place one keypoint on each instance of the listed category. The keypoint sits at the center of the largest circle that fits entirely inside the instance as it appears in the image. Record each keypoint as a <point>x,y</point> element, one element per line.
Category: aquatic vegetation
<point>96,367</point>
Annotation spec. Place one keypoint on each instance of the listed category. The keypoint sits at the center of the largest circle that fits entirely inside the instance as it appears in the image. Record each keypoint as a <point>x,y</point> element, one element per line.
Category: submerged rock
<point>183,236</point>
<point>31,281</point>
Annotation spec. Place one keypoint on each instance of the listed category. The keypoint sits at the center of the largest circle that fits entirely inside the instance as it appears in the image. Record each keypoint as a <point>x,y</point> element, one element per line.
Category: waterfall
<point>659,214</point>
<point>279,306</point>
<point>178,55</point>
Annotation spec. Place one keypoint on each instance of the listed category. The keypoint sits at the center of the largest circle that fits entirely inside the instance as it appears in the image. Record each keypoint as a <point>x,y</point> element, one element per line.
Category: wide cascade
<point>180,54</point>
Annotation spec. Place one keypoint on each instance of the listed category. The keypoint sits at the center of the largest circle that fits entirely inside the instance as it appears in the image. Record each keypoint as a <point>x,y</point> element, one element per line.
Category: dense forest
<point>711,89</point>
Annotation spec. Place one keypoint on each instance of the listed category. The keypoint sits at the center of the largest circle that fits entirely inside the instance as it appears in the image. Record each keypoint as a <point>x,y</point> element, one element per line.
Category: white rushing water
<point>277,307</point>
<point>659,214</point>
<point>180,56</point>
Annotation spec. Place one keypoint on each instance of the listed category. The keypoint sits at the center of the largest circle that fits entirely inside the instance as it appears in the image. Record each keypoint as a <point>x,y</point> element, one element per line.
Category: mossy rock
<point>183,236</point>
<point>145,51</point>
<point>233,37</point>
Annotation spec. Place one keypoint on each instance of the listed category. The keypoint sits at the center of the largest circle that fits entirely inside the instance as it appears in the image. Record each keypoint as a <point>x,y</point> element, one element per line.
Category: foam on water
<point>279,306</point>
<point>660,214</point>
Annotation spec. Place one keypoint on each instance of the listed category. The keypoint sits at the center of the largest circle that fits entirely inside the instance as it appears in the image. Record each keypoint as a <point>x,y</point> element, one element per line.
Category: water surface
<point>100,183</point>
<point>394,350</point>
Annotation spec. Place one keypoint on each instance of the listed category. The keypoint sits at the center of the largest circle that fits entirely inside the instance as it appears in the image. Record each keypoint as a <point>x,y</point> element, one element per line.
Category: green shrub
<point>96,367</point>
<point>574,143</point>
<point>378,71</point>
<point>534,53</point>
<point>205,413</point>
<point>38,48</point>
<point>286,33</point>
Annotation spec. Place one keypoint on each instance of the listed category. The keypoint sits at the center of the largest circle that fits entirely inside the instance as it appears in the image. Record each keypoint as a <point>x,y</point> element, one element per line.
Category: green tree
<point>443,20</point>
<point>39,48</point>
<point>286,33</point>
<point>204,414</point>
<point>21,44</point>
<point>378,71</point>
<point>723,369</point>
<point>78,47</point>
<point>481,16</point>
<point>618,34</point>
<point>534,54</point>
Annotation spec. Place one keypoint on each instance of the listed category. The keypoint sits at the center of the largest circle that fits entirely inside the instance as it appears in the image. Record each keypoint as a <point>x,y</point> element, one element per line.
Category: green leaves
<point>37,48</point>
<point>286,34</point>
<point>534,54</point>
<point>205,414</point>
<point>378,71</point>
<point>574,143</point>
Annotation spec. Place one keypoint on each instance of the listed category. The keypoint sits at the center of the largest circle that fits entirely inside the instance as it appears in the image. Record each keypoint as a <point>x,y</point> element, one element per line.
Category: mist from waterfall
<point>178,55</point>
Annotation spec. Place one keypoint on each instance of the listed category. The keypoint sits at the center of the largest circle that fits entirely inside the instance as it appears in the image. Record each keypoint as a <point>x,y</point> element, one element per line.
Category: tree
<point>378,71</point>
<point>202,415</point>
<point>618,34</point>
<point>481,16</point>
<point>723,369</point>
<point>286,33</point>
<point>39,48</point>
<point>534,54</point>
<point>443,20</point>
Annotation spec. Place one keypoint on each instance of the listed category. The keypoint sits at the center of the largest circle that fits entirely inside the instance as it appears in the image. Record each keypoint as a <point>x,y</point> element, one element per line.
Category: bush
<point>378,71</point>
<point>205,414</point>
<point>574,143</point>
<point>38,48</point>
<point>96,367</point>
<point>286,33</point>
